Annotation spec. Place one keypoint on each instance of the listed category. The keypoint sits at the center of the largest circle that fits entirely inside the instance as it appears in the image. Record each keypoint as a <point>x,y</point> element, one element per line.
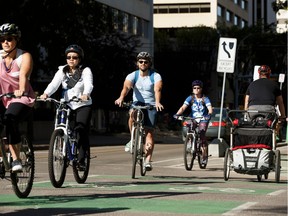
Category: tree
<point>49,26</point>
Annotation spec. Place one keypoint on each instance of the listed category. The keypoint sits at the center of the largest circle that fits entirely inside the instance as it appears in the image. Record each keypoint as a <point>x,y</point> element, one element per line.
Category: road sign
<point>226,54</point>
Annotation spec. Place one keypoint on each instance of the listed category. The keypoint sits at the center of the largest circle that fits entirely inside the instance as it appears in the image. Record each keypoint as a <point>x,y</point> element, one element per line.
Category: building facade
<point>191,13</point>
<point>134,17</point>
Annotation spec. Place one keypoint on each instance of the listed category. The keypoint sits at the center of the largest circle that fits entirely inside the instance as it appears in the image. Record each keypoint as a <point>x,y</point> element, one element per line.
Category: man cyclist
<point>147,86</point>
<point>200,106</point>
<point>263,94</point>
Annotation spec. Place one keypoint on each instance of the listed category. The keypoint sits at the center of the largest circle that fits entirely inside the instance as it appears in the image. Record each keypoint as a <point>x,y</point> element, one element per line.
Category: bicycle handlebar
<point>11,95</point>
<point>189,118</point>
<point>130,104</point>
<point>61,101</point>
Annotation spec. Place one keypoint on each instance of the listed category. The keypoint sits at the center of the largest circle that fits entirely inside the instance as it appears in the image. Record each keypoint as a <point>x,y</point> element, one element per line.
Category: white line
<point>240,208</point>
<point>276,193</point>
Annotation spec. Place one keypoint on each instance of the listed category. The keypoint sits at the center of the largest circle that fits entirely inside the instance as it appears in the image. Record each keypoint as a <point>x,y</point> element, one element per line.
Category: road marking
<point>237,210</point>
<point>276,193</point>
<point>226,190</point>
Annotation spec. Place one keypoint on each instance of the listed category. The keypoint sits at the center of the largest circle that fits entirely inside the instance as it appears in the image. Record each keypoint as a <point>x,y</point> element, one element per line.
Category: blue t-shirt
<point>198,108</point>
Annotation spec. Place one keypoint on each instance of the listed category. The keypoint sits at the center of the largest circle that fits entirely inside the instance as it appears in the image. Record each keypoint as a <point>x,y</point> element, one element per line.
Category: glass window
<point>183,9</point>
<point>173,9</point>
<point>228,16</point>
<point>219,11</point>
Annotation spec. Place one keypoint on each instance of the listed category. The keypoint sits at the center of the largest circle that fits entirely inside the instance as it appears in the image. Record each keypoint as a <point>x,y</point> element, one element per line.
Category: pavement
<point>166,137</point>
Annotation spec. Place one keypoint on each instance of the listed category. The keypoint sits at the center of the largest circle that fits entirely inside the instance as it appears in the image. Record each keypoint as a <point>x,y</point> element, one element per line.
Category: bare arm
<point>246,102</point>
<point>181,109</point>
<point>25,72</point>
<point>126,88</point>
<point>157,89</point>
<point>279,102</point>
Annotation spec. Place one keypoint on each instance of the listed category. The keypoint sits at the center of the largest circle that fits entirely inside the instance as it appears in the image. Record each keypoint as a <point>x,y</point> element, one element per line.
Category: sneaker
<point>16,166</point>
<point>127,146</point>
<point>204,161</point>
<point>148,166</point>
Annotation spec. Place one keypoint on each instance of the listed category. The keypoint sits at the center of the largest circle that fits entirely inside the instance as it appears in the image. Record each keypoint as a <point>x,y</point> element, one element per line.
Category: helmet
<point>264,69</point>
<point>197,83</point>
<point>144,55</point>
<point>9,29</point>
<point>75,48</point>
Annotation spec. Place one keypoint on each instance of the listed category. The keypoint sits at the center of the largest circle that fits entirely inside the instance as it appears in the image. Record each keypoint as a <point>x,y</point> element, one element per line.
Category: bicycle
<point>63,149</point>
<point>192,143</point>
<point>138,137</point>
<point>22,182</point>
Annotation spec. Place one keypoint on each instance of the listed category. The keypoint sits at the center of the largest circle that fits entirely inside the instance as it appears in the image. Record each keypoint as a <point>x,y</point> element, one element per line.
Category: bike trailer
<point>252,150</point>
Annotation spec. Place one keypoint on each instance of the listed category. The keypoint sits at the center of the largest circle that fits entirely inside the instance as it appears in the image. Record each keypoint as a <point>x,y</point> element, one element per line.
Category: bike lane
<point>149,195</point>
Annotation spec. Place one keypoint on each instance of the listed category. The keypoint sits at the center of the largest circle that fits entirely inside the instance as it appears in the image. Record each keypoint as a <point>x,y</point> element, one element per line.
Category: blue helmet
<point>197,83</point>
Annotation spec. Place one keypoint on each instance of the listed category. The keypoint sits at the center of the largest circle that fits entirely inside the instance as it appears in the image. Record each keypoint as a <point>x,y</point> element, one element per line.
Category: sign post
<point>225,64</point>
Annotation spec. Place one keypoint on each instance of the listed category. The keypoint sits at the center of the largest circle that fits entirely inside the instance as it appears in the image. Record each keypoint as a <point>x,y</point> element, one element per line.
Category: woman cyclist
<point>16,67</point>
<point>76,80</point>
<point>200,106</point>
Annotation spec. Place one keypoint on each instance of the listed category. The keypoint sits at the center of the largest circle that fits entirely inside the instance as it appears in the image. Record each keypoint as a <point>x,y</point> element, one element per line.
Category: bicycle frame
<point>63,146</point>
<point>194,150</point>
<point>138,137</point>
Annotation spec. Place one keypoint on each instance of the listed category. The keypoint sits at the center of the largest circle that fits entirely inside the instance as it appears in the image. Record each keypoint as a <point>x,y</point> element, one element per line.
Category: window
<point>182,8</point>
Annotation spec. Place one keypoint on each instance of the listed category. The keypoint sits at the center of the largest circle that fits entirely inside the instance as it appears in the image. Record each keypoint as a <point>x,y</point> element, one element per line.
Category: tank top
<point>9,82</point>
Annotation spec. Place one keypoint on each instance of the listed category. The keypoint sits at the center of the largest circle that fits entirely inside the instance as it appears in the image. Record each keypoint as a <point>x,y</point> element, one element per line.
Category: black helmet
<point>75,48</point>
<point>144,55</point>
<point>10,29</point>
<point>197,83</point>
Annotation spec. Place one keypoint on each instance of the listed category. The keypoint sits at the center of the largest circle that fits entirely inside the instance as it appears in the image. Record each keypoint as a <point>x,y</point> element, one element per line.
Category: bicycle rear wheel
<point>135,142</point>
<point>189,156</point>
<point>81,175</point>
<point>57,161</point>
<point>22,182</point>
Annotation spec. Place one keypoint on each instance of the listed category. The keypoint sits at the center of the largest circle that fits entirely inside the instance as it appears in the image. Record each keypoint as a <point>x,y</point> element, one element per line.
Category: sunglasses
<point>145,62</point>
<point>9,39</point>
<point>196,88</point>
<point>72,57</point>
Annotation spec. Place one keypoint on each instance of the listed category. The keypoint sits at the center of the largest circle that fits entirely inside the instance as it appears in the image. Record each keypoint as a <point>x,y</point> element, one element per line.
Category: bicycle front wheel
<point>22,182</point>
<point>79,174</point>
<point>135,146</point>
<point>189,155</point>
<point>57,161</point>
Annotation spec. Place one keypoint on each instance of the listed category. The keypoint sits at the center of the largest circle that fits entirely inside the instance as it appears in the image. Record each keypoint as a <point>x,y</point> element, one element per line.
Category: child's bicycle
<point>63,149</point>
<point>192,144</point>
<point>22,182</point>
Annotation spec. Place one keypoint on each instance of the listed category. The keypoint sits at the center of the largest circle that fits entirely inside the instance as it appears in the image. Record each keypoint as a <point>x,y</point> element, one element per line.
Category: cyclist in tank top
<point>16,68</point>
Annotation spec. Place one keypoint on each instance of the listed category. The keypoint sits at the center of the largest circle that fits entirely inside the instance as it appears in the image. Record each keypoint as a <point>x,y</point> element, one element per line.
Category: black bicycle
<point>192,143</point>
<point>22,182</point>
<point>63,149</point>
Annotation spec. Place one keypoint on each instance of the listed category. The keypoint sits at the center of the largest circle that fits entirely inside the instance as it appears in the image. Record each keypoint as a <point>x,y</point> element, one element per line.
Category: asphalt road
<point>167,190</point>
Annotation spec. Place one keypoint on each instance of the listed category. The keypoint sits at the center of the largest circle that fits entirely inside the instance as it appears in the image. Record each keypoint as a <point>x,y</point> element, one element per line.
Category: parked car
<point>213,127</point>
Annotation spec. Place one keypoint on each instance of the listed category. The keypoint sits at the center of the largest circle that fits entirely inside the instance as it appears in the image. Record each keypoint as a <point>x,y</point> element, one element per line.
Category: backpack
<point>151,75</point>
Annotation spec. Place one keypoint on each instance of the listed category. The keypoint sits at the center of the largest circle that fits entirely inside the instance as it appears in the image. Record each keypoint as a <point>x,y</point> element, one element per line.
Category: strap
<point>151,76</point>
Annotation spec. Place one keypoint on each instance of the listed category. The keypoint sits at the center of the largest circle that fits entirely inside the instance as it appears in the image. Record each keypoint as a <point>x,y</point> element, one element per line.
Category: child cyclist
<point>200,106</point>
